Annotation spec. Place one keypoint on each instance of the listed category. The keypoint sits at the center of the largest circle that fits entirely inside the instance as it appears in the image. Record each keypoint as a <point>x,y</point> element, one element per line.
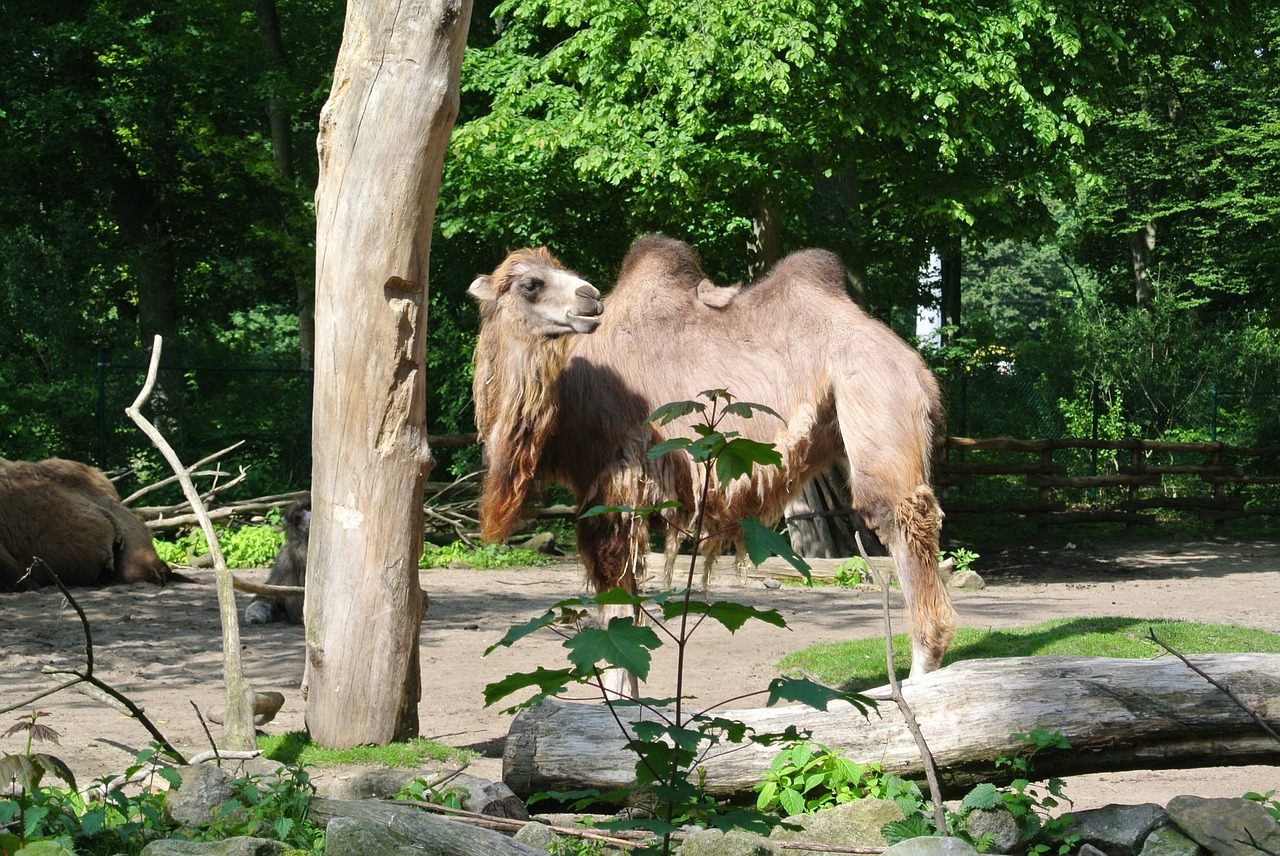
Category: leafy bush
<point>485,557</point>
<point>242,546</point>
<point>807,777</point>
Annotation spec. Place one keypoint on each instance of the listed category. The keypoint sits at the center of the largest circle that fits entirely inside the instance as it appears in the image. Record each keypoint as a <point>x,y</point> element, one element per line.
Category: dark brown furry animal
<point>69,516</point>
<point>571,408</point>
<point>289,568</point>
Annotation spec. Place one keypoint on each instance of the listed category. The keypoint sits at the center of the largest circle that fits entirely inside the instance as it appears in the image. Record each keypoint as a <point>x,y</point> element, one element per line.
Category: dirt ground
<point>161,647</point>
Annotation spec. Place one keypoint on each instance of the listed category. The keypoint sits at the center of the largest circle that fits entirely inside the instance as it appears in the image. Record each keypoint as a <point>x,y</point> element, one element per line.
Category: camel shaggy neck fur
<point>571,408</point>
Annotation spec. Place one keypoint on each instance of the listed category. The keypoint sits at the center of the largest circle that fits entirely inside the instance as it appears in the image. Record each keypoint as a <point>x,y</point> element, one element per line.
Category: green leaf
<point>548,681</point>
<point>624,645</point>
<point>762,542</point>
<point>519,631</point>
<point>792,802</point>
<point>813,694</point>
<point>659,449</point>
<point>729,613</point>
<point>687,739</point>
<point>675,410</point>
<point>740,455</point>
<point>984,796</point>
<point>746,410</point>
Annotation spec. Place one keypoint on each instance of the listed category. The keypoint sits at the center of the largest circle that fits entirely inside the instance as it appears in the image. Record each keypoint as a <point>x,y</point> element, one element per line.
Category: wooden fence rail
<point>1145,475</point>
<point>1127,494</point>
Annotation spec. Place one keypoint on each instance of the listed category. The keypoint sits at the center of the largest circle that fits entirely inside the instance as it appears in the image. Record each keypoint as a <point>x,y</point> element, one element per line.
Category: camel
<point>69,516</point>
<point>564,383</point>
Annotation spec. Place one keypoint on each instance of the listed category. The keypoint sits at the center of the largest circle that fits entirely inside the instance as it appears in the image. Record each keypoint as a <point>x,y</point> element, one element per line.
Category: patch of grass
<point>485,557</point>
<point>860,665</point>
<point>295,747</point>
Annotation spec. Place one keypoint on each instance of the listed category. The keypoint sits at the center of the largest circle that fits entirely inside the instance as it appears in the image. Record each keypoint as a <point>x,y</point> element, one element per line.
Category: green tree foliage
<point>142,197</point>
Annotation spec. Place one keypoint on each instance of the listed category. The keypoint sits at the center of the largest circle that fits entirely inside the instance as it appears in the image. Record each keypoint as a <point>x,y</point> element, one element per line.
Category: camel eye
<point>529,286</point>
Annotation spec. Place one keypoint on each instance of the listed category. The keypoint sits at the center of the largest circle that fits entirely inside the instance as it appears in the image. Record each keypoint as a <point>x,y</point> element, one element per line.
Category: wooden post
<point>383,135</point>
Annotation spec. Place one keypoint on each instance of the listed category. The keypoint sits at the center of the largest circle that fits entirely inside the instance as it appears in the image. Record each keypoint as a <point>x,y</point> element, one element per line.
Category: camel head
<point>533,289</point>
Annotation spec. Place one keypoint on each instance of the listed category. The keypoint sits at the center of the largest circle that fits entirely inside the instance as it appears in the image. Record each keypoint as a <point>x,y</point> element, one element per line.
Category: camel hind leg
<point>888,444</point>
<point>912,539</point>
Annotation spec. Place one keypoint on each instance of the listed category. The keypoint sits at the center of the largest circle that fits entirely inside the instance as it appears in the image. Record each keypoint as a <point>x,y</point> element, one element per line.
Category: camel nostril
<point>588,291</point>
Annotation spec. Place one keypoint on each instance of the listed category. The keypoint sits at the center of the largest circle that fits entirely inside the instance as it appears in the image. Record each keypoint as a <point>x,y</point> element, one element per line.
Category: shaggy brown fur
<point>842,381</point>
<point>69,515</point>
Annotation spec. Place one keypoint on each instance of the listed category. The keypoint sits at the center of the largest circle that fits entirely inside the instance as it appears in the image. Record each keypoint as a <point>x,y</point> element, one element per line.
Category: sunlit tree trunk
<point>383,134</point>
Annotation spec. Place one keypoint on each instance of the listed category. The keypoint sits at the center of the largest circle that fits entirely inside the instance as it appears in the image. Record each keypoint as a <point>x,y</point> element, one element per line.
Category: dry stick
<point>237,731</point>
<point>926,756</point>
<point>1225,689</point>
<point>87,676</point>
<point>143,491</point>
<point>620,838</point>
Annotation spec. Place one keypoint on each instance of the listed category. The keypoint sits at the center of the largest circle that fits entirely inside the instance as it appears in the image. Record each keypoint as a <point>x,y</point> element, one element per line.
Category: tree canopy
<point>1089,158</point>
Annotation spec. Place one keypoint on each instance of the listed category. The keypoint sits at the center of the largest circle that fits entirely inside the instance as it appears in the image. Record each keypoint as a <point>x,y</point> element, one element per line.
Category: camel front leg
<point>613,548</point>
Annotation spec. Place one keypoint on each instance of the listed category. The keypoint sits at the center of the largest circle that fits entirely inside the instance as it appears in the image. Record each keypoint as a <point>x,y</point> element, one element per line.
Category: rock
<point>538,835</point>
<point>968,580</point>
<point>1117,830</point>
<point>227,847</point>
<point>713,842</point>
<point>482,796</point>
<point>856,823</point>
<point>346,836</point>
<point>999,824</point>
<point>204,787</point>
<point>1168,841</point>
<point>772,584</point>
<point>928,845</point>
<point>265,707</point>
<point>1226,827</point>
<point>544,543</point>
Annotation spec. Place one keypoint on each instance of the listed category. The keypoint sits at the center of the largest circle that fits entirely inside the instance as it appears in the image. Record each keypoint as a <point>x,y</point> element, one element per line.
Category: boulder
<point>204,787</point>
<point>856,823</point>
<point>713,842</point>
<point>1117,830</point>
<point>1226,827</point>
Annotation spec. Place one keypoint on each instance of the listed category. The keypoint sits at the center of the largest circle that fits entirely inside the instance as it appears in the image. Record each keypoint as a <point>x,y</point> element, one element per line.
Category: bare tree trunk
<point>1141,243</point>
<point>949,251</point>
<point>383,135</point>
<point>765,244</point>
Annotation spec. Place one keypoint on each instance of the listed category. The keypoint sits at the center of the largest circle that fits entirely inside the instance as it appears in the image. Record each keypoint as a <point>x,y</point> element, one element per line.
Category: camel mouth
<point>583,323</point>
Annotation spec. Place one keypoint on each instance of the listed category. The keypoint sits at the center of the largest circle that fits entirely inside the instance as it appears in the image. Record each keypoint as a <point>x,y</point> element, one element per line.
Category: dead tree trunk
<point>383,134</point>
<point>1117,714</point>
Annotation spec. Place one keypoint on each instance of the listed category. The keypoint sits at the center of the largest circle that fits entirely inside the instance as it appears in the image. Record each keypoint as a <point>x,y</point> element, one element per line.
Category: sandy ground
<point>161,647</point>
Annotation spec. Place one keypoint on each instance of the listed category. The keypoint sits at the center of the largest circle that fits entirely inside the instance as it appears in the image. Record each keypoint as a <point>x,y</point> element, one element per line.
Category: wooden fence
<point>1142,476</point>
<point>1129,479</point>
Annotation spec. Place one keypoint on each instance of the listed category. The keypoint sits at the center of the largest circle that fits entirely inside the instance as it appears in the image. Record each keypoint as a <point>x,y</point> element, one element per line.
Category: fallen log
<point>1117,715</point>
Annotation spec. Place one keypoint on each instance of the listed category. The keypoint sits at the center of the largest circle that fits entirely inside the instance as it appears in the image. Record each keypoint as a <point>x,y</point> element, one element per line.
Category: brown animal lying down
<point>70,517</point>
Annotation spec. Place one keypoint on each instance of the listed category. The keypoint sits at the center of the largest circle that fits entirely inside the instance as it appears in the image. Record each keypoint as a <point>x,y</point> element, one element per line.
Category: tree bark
<point>383,135</point>
<point>1141,244</point>
<point>949,254</point>
<point>1117,714</point>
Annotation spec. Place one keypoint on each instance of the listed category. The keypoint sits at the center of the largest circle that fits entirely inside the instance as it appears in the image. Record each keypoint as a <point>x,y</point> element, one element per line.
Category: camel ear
<point>481,289</point>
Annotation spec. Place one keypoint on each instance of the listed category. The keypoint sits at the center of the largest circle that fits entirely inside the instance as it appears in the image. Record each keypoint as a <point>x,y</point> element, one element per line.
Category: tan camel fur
<point>69,515</point>
<point>570,408</point>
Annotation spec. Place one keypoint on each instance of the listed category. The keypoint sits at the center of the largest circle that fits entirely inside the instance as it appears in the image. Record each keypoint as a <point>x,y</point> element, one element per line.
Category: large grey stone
<point>537,835</point>
<point>347,836</point>
<point>204,787</point>
<point>1117,830</point>
<point>856,823</point>
<point>1168,841</point>
<point>1226,827</point>
<point>932,846</point>
<point>998,825</point>
<point>713,842</point>
<point>225,847</point>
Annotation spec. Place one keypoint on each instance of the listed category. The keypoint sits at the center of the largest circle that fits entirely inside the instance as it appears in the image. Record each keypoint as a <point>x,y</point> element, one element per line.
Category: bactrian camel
<point>564,383</point>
